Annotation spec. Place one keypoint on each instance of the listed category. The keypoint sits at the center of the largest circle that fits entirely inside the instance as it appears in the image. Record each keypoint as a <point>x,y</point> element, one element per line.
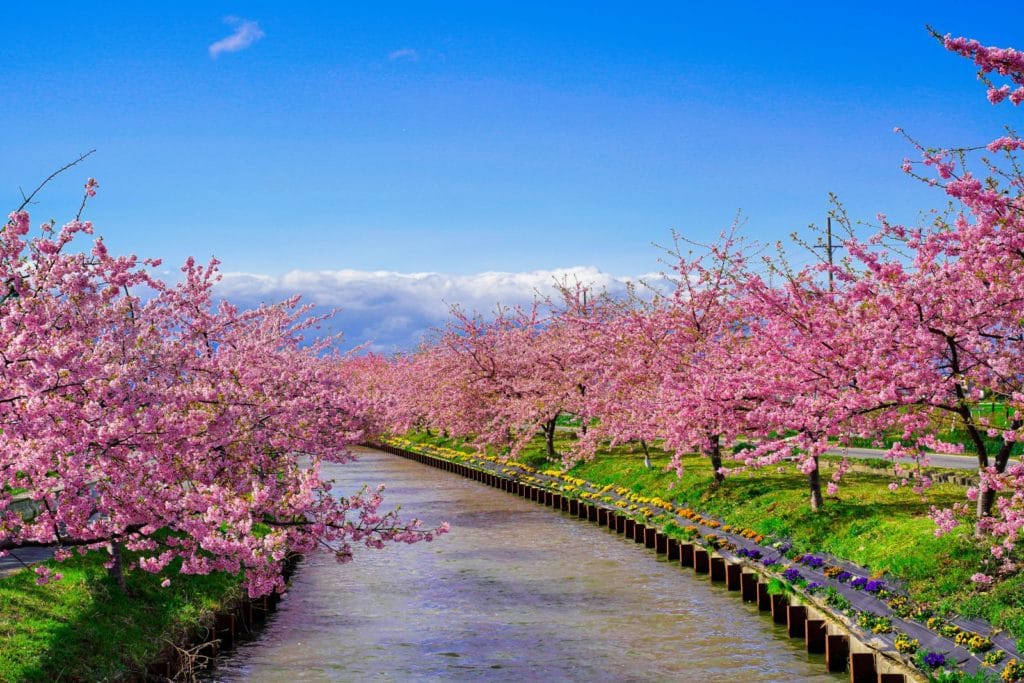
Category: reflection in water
<point>515,592</point>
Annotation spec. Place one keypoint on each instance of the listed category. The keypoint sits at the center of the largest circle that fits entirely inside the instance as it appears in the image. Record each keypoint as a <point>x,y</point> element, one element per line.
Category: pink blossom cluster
<point>1006,62</point>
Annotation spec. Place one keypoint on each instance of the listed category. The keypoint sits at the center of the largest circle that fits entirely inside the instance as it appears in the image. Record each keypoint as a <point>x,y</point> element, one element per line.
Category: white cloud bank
<point>246,33</point>
<point>395,310</point>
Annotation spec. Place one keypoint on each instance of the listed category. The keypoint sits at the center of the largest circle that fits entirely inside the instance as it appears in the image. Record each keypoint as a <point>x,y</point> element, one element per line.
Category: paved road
<point>11,563</point>
<point>955,462</point>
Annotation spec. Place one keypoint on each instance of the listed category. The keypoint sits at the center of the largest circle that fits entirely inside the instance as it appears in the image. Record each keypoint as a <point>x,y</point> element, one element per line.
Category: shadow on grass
<point>84,628</point>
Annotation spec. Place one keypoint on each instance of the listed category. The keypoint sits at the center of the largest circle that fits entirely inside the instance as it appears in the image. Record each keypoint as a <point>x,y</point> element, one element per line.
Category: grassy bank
<point>887,532</point>
<point>83,628</point>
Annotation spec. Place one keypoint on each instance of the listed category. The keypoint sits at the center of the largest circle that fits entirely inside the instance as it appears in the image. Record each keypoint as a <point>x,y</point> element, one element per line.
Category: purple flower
<point>859,582</point>
<point>792,574</point>
<point>843,577</point>
<point>874,586</point>
<point>815,585</point>
<point>752,554</point>
<point>934,660</point>
<point>812,561</point>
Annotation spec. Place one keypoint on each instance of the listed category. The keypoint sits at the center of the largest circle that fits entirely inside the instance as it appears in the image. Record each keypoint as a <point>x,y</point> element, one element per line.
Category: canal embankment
<point>873,608</point>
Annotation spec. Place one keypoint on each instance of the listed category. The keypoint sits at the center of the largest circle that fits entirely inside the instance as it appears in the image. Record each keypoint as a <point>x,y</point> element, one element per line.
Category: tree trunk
<point>647,454</point>
<point>814,480</point>
<point>583,418</point>
<point>116,571</point>
<point>549,437</point>
<point>714,451</point>
<point>986,500</point>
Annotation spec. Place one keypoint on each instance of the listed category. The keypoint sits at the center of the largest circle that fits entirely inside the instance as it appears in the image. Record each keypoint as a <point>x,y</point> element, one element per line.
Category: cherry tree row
<point>904,337</point>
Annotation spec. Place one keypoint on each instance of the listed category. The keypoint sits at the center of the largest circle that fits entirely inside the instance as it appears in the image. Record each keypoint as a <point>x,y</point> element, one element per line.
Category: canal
<point>516,592</point>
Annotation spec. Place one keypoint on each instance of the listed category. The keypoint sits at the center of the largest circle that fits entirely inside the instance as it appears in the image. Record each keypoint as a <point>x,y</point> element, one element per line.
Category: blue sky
<point>460,138</point>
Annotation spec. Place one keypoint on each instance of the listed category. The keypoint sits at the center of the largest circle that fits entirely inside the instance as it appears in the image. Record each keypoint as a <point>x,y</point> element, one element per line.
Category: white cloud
<point>405,54</point>
<point>246,33</point>
<point>394,310</point>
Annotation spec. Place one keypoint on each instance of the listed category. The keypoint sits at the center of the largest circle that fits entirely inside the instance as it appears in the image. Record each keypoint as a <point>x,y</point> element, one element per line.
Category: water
<point>515,592</point>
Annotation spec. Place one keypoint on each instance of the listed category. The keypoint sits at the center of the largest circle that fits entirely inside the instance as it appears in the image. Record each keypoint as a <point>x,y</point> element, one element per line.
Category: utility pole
<point>828,233</point>
<point>829,249</point>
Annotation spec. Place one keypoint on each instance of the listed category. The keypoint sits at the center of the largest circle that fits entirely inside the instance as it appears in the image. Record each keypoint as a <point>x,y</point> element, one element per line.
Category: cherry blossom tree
<point>623,393</point>
<point>948,300</point>
<point>704,396</point>
<point>142,415</point>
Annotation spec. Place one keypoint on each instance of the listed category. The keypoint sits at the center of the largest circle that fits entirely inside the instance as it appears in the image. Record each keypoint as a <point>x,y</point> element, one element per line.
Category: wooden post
<point>717,569</point>
<point>733,576</point>
<point>837,652</point>
<point>245,614</point>
<point>225,628</point>
<point>686,554</point>
<point>638,532</point>
<point>650,537</point>
<point>672,550</point>
<point>796,620</point>
<point>259,609</point>
<point>814,636</point>
<point>862,667</point>
<point>779,604</point>
<point>701,561</point>
<point>748,586</point>
<point>660,543</point>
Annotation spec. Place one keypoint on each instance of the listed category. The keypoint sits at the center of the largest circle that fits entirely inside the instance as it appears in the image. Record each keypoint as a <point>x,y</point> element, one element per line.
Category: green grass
<point>83,628</point>
<point>865,523</point>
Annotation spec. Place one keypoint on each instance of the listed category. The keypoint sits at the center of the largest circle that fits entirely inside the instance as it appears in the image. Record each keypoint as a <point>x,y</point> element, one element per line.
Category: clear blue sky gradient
<point>519,137</point>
